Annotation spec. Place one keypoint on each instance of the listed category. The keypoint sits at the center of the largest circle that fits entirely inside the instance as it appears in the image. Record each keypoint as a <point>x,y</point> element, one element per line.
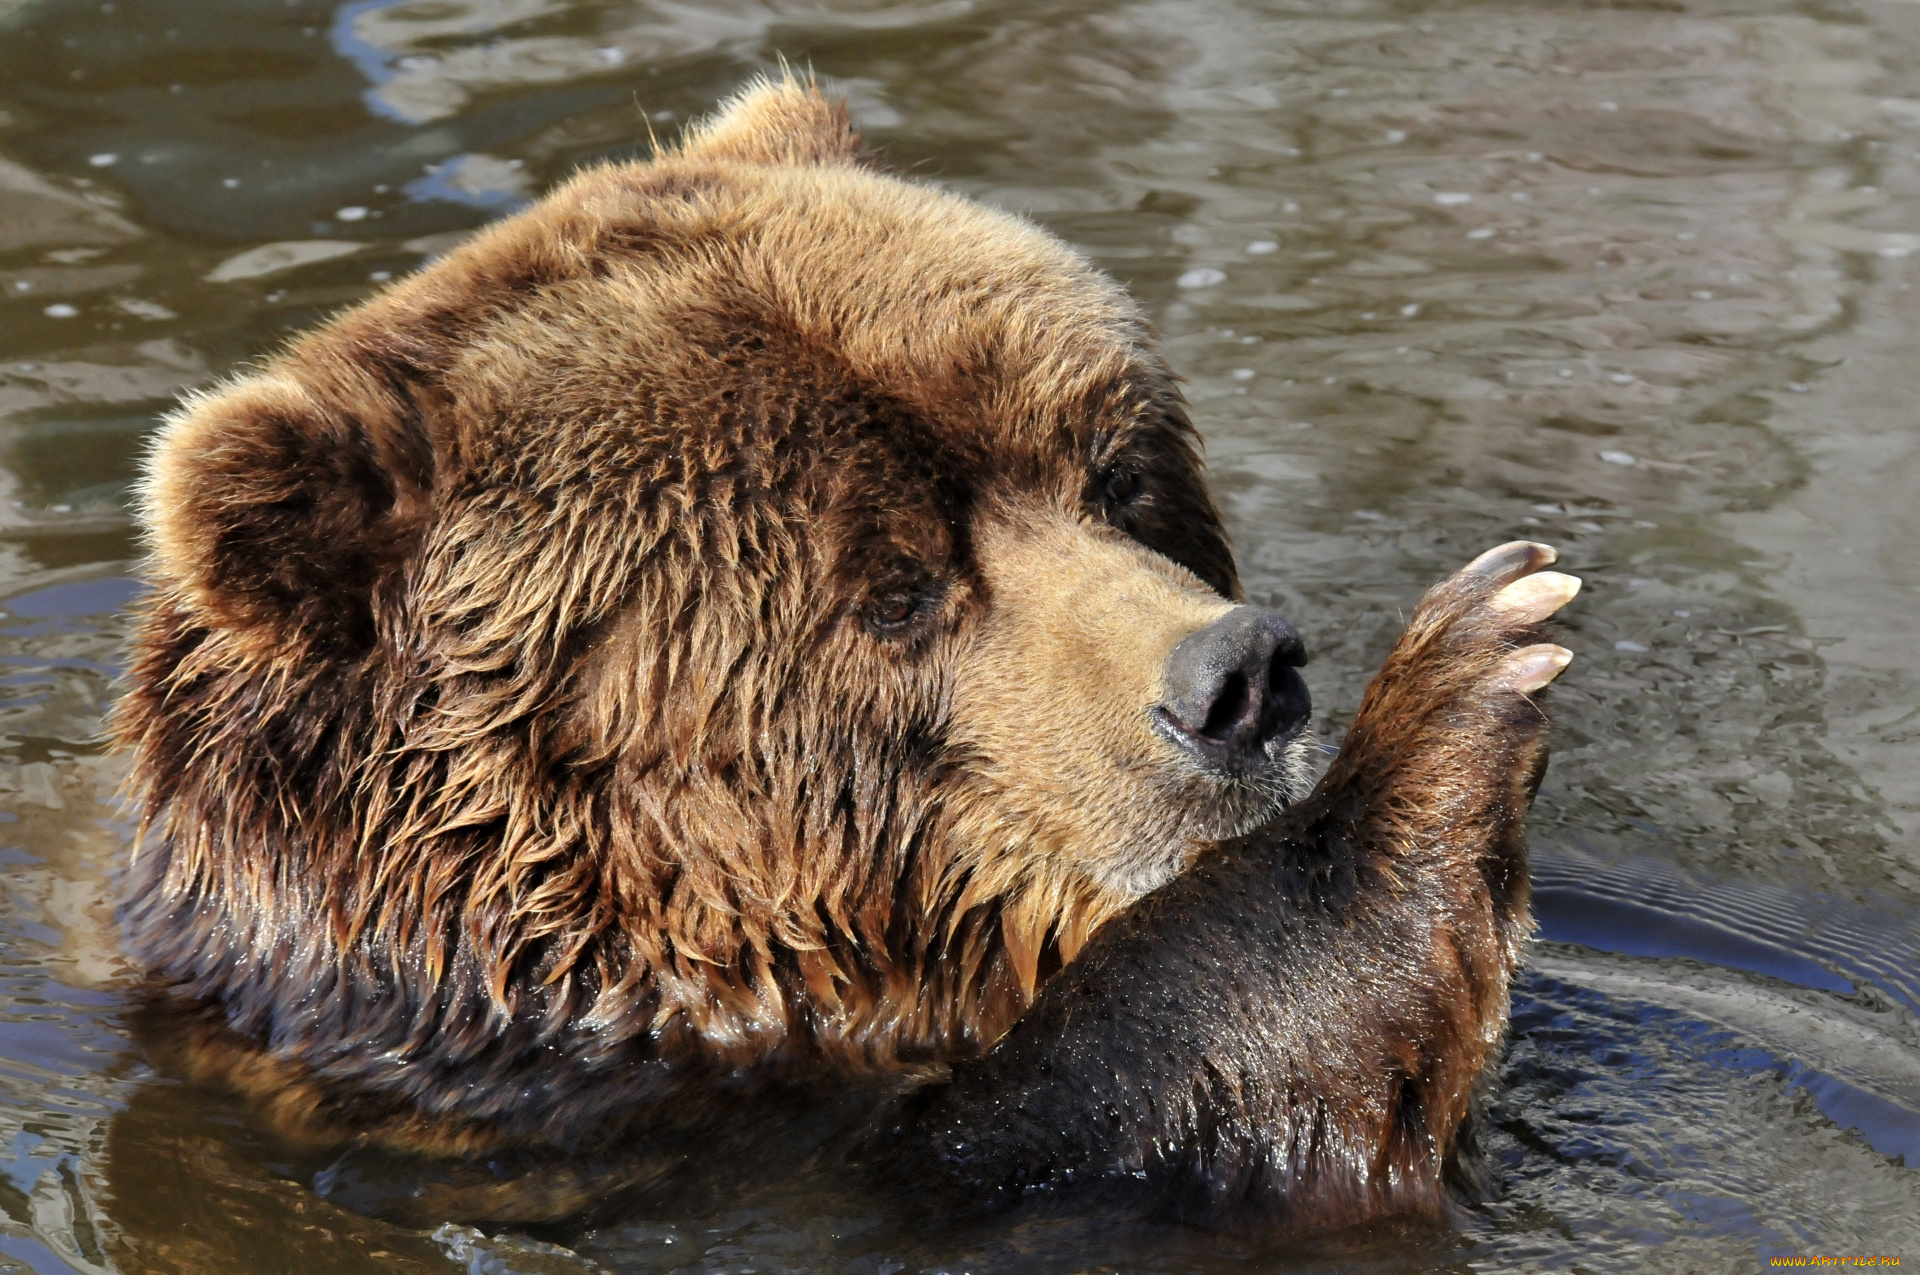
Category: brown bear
<point>750,619</point>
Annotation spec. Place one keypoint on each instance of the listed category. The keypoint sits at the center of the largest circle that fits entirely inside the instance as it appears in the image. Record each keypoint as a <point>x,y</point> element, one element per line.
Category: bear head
<point>746,595</point>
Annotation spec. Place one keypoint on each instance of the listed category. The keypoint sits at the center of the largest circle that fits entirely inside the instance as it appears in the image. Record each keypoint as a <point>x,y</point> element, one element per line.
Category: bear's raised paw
<point>1448,722</point>
<point>1210,1055</point>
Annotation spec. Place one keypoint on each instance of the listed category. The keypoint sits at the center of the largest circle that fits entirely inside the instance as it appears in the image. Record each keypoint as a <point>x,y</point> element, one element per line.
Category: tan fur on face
<point>1053,696</point>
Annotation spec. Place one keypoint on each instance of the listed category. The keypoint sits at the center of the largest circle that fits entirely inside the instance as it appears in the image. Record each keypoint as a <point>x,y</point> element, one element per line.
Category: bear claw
<point>1509,562</point>
<point>1531,668</point>
<point>1532,598</point>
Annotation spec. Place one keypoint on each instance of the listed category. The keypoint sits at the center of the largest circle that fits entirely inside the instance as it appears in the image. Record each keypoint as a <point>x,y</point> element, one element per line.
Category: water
<point>1633,280</point>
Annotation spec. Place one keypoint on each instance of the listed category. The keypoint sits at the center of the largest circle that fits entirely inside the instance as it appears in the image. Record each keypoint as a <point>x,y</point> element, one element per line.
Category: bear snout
<point>1234,691</point>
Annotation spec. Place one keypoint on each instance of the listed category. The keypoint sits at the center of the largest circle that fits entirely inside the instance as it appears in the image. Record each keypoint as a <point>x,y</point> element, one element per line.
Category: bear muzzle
<point>1234,697</point>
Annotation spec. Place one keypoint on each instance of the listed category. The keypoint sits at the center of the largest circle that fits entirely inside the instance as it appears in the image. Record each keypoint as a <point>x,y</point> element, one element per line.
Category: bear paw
<point>1450,721</point>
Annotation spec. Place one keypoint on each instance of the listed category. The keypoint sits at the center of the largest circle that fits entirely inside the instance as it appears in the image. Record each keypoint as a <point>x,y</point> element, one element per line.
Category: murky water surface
<point>1633,280</point>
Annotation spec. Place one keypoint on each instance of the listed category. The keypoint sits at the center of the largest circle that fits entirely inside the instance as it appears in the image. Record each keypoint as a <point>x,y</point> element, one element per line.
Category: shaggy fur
<point>511,701</point>
<point>706,628</point>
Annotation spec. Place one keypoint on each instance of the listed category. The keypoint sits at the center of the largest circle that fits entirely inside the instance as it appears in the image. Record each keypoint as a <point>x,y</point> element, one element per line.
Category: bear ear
<point>275,514</point>
<point>784,121</point>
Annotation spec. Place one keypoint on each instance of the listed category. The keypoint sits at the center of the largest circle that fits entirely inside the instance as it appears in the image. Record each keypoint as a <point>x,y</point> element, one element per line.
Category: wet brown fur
<point>681,640</point>
<point>509,704</point>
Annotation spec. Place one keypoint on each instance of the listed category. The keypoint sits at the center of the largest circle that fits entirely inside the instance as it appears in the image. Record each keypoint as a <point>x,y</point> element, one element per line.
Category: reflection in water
<point>1632,281</point>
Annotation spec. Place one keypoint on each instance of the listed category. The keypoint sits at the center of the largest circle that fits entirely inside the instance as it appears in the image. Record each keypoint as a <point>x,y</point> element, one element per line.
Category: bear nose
<point>1233,688</point>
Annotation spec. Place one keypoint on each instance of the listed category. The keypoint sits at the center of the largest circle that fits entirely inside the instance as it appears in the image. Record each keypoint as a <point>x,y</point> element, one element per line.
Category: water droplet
<point>105,159</point>
<point>1484,232</point>
<point>1260,247</point>
<point>1622,378</point>
<point>1619,458</point>
<point>1624,645</point>
<point>1452,198</point>
<point>1202,277</point>
<point>352,212</point>
<point>1243,374</point>
<point>60,310</point>
<point>1408,311</point>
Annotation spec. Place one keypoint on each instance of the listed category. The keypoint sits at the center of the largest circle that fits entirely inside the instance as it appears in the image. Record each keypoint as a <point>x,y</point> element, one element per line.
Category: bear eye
<point>895,613</point>
<point>1122,486</point>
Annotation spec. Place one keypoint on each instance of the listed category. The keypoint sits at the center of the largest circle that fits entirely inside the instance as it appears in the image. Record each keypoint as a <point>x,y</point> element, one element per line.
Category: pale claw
<point>1512,560</point>
<point>1533,598</point>
<point>1532,667</point>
